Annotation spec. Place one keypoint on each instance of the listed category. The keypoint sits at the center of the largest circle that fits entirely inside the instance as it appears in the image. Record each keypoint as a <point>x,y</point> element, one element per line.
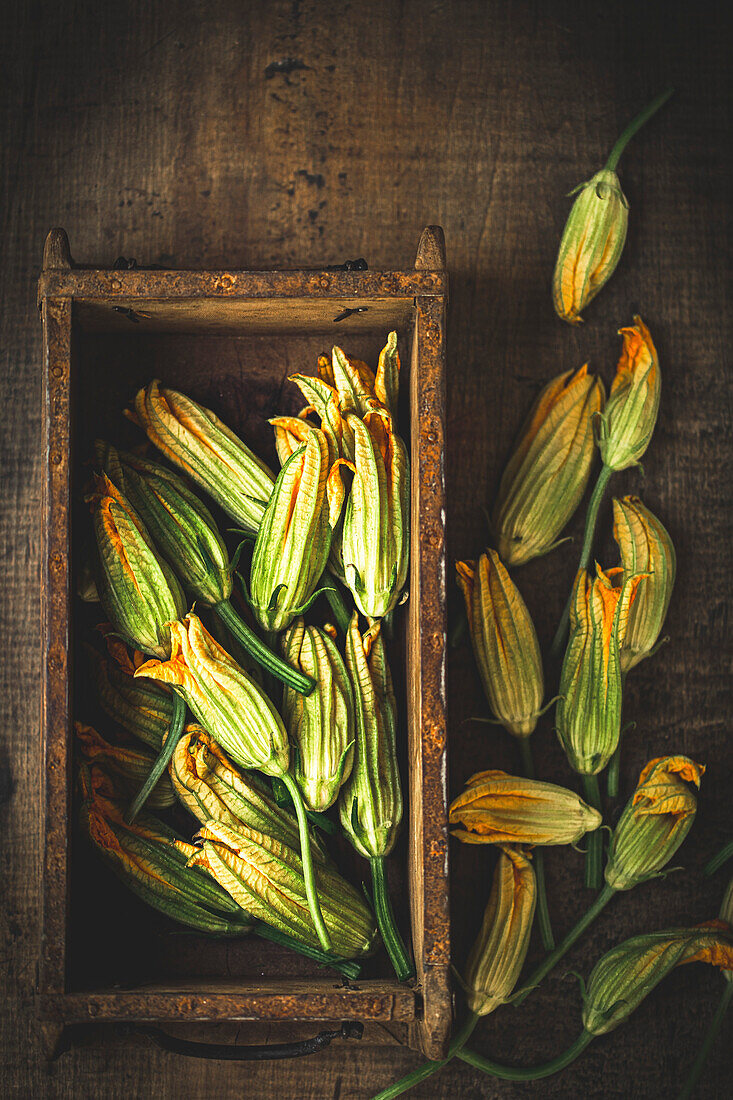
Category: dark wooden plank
<point>154,131</point>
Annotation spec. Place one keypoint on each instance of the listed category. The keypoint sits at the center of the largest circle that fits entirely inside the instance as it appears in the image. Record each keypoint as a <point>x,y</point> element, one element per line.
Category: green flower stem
<point>175,729</point>
<point>532,1073</point>
<point>262,653</point>
<point>712,1033</point>
<point>347,967</point>
<point>550,962</point>
<point>634,127</point>
<point>719,859</point>
<point>403,965</point>
<point>594,855</point>
<point>590,527</point>
<point>339,608</point>
<point>311,892</point>
<point>543,911</point>
<point>427,1069</point>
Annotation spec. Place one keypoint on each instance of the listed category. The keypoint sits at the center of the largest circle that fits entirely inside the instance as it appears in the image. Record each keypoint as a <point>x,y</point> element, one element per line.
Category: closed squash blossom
<point>500,949</point>
<point>294,539</point>
<point>497,808</point>
<point>628,420</point>
<point>628,973</point>
<point>321,724</point>
<point>196,441</point>
<point>645,547</point>
<point>654,823</point>
<point>589,706</point>
<point>504,643</point>
<point>591,245</point>
<point>375,539</point>
<point>138,591</point>
<point>227,702</point>
<point>264,875</point>
<point>548,471</point>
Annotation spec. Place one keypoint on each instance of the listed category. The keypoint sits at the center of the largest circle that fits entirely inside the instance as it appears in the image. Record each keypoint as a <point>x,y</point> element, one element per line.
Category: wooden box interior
<point>236,364</point>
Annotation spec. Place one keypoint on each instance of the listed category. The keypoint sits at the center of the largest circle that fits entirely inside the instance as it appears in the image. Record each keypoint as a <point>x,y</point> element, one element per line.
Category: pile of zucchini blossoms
<point>613,620</point>
<point>226,697</point>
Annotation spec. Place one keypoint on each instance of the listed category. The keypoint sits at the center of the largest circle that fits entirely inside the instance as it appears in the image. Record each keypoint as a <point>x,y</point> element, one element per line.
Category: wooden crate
<point>230,338</point>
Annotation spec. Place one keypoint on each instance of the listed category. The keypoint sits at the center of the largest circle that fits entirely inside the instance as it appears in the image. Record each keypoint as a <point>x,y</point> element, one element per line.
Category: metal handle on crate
<point>350,1029</point>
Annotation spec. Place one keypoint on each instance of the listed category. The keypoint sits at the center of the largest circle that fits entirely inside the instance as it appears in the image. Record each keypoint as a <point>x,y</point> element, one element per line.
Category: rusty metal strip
<point>56,619</point>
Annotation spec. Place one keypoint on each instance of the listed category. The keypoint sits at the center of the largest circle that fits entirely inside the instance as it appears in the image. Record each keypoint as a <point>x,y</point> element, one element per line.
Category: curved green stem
<point>311,891</point>
<point>427,1069</point>
<point>262,653</point>
<point>719,859</point>
<point>591,519</point>
<point>175,730</point>
<point>347,967</point>
<point>565,944</point>
<point>634,126</point>
<point>543,911</point>
<point>403,965</point>
<point>712,1033</point>
<point>340,611</point>
<point>594,855</point>
<point>532,1073</point>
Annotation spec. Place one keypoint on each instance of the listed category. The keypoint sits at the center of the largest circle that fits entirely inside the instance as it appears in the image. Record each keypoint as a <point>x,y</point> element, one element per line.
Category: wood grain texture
<point>164,132</point>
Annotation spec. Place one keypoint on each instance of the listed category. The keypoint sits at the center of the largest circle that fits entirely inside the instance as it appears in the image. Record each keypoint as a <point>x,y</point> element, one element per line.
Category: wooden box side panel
<point>56,317</point>
<point>426,670</point>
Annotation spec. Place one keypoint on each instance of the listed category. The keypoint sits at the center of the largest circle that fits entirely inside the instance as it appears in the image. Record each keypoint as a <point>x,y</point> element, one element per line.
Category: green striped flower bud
<point>196,441</point>
<point>645,547</point>
<point>504,643</point>
<point>265,876</point>
<point>320,725</point>
<point>152,861</point>
<point>627,422</point>
<point>546,476</point>
<point>370,802</point>
<point>138,590</point>
<point>375,537</point>
<point>591,245</point>
<point>227,702</point>
<point>498,954</point>
<point>655,821</point>
<point>129,765</point>
<point>589,706</point>
<point>628,973</point>
<point>183,529</point>
<point>294,539</point>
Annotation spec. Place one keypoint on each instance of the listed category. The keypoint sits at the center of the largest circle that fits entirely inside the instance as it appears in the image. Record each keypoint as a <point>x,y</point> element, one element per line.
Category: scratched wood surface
<point>273,133</point>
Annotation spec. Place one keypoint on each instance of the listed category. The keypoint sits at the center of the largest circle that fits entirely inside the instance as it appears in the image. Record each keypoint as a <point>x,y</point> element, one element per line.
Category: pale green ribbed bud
<point>500,949</point>
<point>182,528</point>
<point>196,441</point>
<point>645,547</point>
<point>546,476</point>
<point>370,802</point>
<point>655,821</point>
<point>294,539</point>
<point>321,724</point>
<point>628,973</point>
<point>138,590</point>
<point>504,643</point>
<point>265,876</point>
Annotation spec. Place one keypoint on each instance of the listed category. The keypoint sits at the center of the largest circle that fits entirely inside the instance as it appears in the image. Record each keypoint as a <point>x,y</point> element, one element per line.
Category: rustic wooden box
<point>230,338</point>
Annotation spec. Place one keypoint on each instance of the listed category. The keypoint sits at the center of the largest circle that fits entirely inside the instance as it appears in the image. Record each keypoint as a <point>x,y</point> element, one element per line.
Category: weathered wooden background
<point>167,132</point>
